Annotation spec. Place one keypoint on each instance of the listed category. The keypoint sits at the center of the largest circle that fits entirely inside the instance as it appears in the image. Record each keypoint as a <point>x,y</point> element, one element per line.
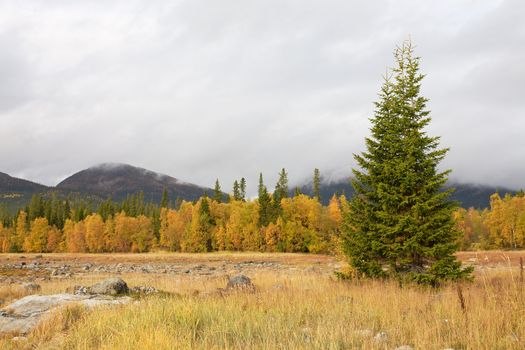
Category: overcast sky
<point>206,89</point>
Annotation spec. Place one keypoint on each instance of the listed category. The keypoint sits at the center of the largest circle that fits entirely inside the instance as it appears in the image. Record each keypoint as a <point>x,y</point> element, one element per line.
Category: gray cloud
<point>203,89</point>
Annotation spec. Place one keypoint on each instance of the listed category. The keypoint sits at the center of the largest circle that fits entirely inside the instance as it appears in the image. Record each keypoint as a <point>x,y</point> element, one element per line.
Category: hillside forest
<point>273,222</point>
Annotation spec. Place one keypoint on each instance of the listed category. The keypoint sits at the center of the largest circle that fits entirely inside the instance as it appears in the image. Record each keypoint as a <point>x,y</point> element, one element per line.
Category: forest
<point>273,222</point>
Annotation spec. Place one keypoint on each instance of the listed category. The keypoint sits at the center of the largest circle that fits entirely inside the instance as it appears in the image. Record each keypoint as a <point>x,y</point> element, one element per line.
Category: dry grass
<point>307,311</point>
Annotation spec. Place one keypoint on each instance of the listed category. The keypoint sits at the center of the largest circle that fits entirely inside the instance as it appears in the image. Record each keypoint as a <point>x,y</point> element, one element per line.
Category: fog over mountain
<point>208,89</point>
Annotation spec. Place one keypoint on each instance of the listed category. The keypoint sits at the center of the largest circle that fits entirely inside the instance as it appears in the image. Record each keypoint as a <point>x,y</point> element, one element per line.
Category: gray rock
<point>31,287</point>
<point>111,286</point>
<point>78,290</point>
<point>381,337</point>
<point>23,315</point>
<point>240,282</point>
<point>145,290</point>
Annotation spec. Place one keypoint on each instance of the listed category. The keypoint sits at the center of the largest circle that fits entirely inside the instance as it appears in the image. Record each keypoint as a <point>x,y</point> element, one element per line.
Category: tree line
<point>275,222</point>
<point>502,226</point>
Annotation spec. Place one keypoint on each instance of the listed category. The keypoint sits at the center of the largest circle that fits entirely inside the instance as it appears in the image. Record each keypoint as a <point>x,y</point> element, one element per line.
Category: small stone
<point>307,334</point>
<point>19,338</point>
<point>78,290</point>
<point>380,337</point>
<point>145,290</point>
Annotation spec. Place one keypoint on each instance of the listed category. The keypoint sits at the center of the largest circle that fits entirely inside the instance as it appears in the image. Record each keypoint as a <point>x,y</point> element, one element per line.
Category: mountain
<point>120,180</point>
<point>468,195</point>
<point>16,193</point>
<point>9,184</point>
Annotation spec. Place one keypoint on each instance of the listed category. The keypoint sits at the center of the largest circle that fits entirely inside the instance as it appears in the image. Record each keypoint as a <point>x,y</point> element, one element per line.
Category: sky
<point>226,89</point>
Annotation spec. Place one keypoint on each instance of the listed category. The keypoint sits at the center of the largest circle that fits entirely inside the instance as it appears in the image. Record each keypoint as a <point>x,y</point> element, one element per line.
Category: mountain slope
<point>468,195</point>
<point>119,180</point>
<point>16,193</point>
<point>10,184</point>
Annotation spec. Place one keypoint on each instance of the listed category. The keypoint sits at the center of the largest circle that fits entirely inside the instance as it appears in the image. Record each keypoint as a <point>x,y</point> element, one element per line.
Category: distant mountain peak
<point>119,180</point>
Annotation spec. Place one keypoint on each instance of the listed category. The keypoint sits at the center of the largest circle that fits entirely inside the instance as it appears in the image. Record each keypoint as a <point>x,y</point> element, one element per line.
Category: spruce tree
<point>236,191</point>
<point>281,191</point>
<point>217,193</point>
<point>400,220</point>
<point>264,204</point>
<point>281,188</point>
<point>242,186</point>
<point>164,200</point>
<point>317,184</point>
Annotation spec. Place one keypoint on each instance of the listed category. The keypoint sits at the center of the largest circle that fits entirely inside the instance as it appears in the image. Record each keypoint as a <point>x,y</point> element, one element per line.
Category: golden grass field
<point>293,308</point>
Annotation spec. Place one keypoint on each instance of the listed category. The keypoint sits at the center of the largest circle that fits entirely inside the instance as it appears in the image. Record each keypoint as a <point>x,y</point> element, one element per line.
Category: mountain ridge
<point>118,180</point>
<point>467,194</point>
<point>99,182</point>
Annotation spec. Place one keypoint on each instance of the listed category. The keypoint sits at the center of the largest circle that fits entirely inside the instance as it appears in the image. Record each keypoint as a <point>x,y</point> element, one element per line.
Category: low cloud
<point>203,89</point>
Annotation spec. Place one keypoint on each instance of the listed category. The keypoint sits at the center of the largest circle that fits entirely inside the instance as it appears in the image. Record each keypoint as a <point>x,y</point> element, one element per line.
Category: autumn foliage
<point>500,227</point>
<point>303,225</point>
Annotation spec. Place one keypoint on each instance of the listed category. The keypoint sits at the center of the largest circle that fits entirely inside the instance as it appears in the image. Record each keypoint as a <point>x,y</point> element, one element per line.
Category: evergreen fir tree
<point>264,204</point>
<point>236,191</point>
<point>281,188</point>
<point>400,222</point>
<point>317,184</point>
<point>206,222</point>
<point>217,193</point>
<point>281,191</point>
<point>242,189</point>
<point>164,201</point>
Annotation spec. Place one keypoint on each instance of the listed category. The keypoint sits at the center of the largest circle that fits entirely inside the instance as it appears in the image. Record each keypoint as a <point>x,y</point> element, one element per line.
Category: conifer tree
<point>236,191</point>
<point>317,184</point>
<point>281,188</point>
<point>264,204</point>
<point>281,192</point>
<point>217,193</point>
<point>242,189</point>
<point>164,200</point>
<point>400,222</point>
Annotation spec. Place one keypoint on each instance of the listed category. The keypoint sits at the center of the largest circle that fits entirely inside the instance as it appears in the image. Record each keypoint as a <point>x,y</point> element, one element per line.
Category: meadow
<point>298,304</point>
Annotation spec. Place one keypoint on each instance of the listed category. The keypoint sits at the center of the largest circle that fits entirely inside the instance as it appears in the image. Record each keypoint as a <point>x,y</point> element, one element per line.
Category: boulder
<point>23,315</point>
<point>111,286</point>
<point>240,282</point>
